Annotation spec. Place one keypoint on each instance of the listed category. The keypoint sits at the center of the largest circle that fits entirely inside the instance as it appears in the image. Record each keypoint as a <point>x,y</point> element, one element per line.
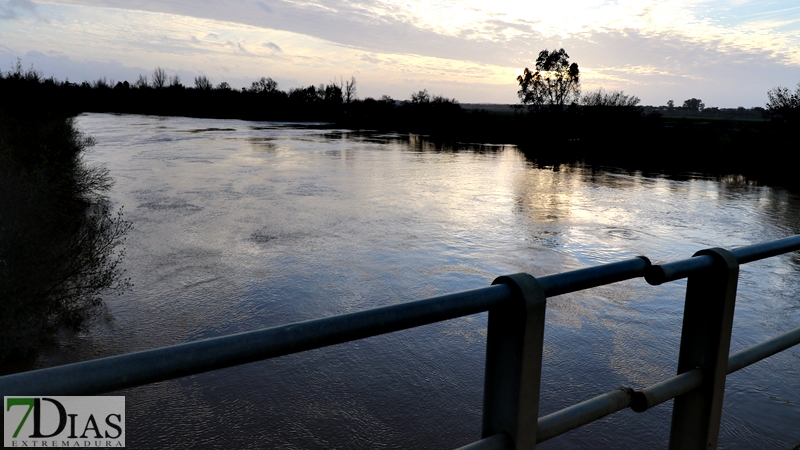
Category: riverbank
<point>58,236</point>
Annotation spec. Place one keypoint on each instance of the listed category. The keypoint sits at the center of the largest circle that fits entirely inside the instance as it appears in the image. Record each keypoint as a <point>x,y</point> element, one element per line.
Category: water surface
<point>245,225</point>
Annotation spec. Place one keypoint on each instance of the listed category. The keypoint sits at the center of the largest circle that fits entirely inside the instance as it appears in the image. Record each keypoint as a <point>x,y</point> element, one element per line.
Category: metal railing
<point>516,305</point>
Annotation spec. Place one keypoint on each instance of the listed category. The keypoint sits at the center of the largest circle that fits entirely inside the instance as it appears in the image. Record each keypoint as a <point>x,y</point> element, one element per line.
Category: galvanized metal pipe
<point>581,279</point>
<point>666,390</point>
<point>664,273</point>
<point>659,274</point>
<point>764,250</point>
<point>750,355</point>
<point>578,415</point>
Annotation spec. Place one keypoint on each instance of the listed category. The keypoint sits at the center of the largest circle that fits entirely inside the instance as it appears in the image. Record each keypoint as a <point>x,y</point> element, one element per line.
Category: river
<point>245,225</point>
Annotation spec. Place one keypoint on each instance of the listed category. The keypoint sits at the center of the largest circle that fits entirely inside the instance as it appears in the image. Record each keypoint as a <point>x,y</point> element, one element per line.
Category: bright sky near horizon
<point>726,52</point>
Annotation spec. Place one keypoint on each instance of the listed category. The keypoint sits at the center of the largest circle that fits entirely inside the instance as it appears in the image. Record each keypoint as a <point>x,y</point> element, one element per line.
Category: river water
<point>246,225</point>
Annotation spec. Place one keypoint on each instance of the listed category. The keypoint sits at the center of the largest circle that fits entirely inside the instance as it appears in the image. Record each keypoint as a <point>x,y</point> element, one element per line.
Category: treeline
<point>600,127</point>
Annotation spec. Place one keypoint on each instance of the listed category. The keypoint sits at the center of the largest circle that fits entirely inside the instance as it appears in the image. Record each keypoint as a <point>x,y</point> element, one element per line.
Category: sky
<point>728,53</point>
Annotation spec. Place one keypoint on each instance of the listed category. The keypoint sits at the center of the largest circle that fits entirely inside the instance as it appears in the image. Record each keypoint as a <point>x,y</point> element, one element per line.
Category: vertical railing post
<point>514,362</point>
<point>705,343</point>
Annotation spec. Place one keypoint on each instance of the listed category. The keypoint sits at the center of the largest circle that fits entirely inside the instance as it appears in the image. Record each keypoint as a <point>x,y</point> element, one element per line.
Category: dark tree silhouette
<point>783,104</point>
<point>202,83</point>
<point>159,78</point>
<point>612,98</point>
<point>694,104</point>
<point>555,82</point>
<point>420,97</point>
<point>267,85</point>
<point>141,83</point>
<point>350,90</point>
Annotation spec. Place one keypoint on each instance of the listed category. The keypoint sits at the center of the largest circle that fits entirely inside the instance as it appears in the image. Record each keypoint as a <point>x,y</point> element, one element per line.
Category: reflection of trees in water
<point>58,235</point>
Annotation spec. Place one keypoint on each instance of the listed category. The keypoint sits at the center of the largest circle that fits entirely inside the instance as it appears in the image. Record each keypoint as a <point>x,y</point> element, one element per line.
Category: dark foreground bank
<point>58,235</point>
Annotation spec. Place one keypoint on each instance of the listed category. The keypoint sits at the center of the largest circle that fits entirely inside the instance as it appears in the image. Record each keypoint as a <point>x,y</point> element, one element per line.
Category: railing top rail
<point>765,250</point>
<point>578,280</point>
<point>663,273</point>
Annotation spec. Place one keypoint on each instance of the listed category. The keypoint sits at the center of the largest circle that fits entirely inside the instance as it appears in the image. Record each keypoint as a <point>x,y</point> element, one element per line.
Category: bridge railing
<point>516,305</point>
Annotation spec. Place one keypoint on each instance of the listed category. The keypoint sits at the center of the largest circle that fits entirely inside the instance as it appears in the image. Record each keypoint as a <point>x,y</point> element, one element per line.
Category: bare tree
<point>202,83</point>
<point>350,90</point>
<point>175,80</point>
<point>141,83</point>
<point>159,78</point>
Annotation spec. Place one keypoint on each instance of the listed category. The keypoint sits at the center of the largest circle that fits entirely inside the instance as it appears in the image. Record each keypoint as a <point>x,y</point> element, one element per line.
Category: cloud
<point>264,6</point>
<point>498,32</point>
<point>9,9</point>
<point>369,58</point>
<point>644,47</point>
<point>273,46</point>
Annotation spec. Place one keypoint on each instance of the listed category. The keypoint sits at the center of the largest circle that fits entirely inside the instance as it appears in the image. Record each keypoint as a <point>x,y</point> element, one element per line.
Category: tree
<point>224,86</point>
<point>783,104</point>
<point>420,97</point>
<point>613,98</point>
<point>175,81</point>
<point>202,83</point>
<point>159,78</point>
<point>694,104</point>
<point>670,104</point>
<point>141,83</point>
<point>308,95</point>
<point>350,90</point>
<point>332,93</point>
<point>102,83</point>
<point>265,84</point>
<point>555,82</point>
